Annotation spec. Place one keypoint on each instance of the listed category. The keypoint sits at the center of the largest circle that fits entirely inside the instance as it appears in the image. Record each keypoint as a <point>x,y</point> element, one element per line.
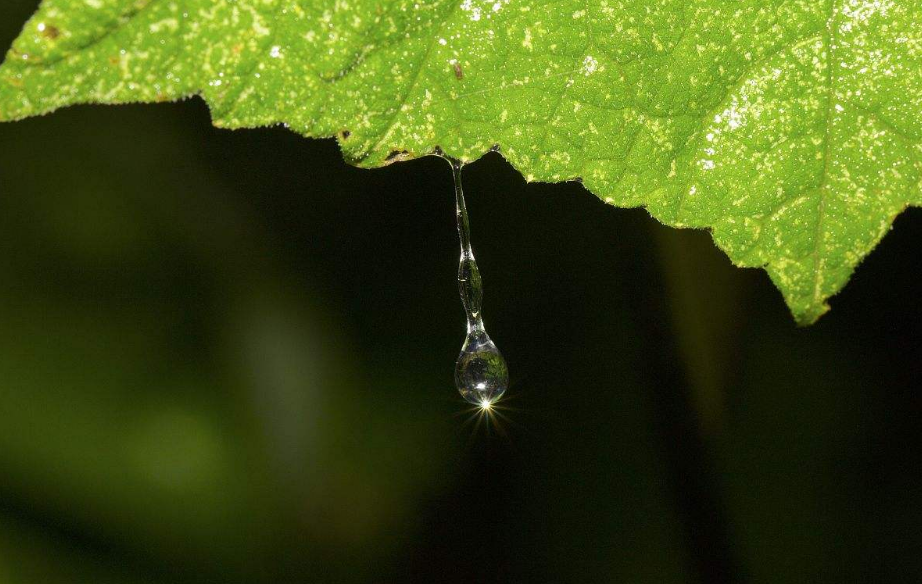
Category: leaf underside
<point>790,129</point>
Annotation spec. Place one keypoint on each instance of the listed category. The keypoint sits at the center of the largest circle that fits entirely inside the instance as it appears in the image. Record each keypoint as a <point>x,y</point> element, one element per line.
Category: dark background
<point>227,357</point>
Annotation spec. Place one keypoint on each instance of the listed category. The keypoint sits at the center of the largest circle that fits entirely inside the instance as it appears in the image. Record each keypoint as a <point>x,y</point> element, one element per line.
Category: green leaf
<point>790,129</point>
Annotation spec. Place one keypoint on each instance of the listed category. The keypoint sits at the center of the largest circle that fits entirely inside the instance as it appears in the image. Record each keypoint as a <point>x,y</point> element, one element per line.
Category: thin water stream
<point>481,374</point>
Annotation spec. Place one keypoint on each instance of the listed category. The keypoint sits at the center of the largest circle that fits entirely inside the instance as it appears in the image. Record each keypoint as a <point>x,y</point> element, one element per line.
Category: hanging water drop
<point>481,375</point>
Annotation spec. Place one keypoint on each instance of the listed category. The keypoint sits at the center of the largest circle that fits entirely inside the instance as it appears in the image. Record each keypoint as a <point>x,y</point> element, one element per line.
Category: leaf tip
<point>810,315</point>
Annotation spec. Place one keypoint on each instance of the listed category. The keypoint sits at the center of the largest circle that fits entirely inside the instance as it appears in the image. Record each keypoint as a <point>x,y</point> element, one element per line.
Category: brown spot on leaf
<point>51,32</point>
<point>345,134</point>
<point>396,156</point>
<point>459,74</point>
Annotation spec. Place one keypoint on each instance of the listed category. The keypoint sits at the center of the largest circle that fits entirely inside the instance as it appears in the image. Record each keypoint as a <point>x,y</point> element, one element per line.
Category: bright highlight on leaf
<point>789,128</point>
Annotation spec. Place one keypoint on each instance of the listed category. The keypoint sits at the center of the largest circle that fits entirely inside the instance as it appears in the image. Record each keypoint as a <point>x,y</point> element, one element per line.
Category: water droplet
<point>481,374</point>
